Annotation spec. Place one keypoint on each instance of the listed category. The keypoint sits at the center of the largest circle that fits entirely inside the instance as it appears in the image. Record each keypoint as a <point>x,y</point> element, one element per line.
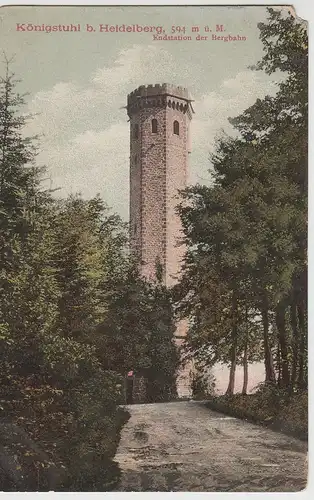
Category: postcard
<point>153,249</point>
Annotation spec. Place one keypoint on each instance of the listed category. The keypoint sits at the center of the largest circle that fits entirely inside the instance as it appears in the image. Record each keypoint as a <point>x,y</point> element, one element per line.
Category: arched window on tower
<point>135,132</point>
<point>176,127</point>
<point>154,126</point>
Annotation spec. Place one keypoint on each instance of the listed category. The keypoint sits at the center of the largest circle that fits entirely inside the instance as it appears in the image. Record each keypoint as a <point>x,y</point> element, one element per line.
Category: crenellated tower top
<point>157,96</point>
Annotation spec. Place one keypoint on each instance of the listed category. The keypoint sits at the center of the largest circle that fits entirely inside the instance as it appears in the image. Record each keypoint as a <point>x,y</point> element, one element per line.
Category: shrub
<point>269,406</point>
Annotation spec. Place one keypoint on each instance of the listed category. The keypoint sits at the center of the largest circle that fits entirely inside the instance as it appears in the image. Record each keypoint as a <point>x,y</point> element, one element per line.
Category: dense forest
<point>244,285</point>
<point>75,316</point>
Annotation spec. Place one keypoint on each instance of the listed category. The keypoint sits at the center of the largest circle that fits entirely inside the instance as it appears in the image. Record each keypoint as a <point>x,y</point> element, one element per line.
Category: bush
<point>294,415</point>
<point>270,406</point>
<point>203,385</point>
<point>92,468</point>
<point>71,415</point>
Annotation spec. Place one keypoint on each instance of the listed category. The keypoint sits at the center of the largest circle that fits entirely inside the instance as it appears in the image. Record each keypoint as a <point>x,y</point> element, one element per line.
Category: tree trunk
<point>278,366</point>
<point>230,388</point>
<point>245,372</point>
<point>302,383</point>
<point>270,375</point>
<point>282,339</point>
<point>245,355</point>
<point>295,342</point>
<point>233,353</point>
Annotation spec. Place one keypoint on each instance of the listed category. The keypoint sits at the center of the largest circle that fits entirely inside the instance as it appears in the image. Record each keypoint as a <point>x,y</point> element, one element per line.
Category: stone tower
<point>159,146</point>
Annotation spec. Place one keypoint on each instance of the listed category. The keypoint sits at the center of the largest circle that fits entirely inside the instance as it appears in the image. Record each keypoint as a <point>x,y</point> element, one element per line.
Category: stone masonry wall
<point>176,160</point>
<point>158,169</point>
<point>150,201</point>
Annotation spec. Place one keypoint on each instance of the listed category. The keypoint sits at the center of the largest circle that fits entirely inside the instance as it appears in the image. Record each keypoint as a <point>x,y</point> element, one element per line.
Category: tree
<point>52,381</point>
<point>138,333</point>
<point>246,233</point>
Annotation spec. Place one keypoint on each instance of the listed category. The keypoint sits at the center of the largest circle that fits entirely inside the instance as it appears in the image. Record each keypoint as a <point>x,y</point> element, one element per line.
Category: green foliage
<point>75,316</point>
<point>244,284</point>
<point>203,384</point>
<point>141,324</point>
<point>270,406</point>
<point>55,258</point>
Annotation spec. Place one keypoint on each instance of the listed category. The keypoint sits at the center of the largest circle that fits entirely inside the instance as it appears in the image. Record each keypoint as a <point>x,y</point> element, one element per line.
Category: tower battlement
<point>157,96</point>
<point>159,89</point>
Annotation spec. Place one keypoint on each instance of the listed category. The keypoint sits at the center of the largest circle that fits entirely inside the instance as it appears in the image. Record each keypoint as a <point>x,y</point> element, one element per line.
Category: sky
<point>78,84</point>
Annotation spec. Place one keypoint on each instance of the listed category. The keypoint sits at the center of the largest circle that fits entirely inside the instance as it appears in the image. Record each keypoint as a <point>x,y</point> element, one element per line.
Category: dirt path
<point>184,446</point>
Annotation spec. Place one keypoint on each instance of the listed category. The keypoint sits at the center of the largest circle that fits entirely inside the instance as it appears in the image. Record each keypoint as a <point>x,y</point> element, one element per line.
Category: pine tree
<point>247,233</point>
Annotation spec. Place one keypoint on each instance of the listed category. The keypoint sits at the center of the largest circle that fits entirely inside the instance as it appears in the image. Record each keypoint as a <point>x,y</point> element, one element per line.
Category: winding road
<point>184,446</point>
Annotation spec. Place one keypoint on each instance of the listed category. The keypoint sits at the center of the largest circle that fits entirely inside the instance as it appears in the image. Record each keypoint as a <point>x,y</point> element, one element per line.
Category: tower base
<point>185,373</point>
<point>184,385</point>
